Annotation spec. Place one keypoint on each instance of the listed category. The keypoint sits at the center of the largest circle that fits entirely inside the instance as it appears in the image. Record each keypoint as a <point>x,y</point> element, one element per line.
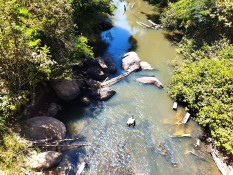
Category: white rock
<point>131,122</point>
<point>131,61</point>
<point>150,80</point>
<point>145,66</point>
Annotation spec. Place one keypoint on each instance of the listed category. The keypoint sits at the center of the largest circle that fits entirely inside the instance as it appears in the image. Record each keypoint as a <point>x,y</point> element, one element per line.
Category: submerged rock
<point>42,127</point>
<point>145,66</point>
<point>45,160</point>
<point>150,80</point>
<point>109,61</point>
<point>105,25</point>
<point>104,93</point>
<point>66,90</point>
<point>130,61</point>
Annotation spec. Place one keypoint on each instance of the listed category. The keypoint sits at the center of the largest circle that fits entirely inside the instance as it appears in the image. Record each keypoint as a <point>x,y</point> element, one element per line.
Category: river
<point>149,148</point>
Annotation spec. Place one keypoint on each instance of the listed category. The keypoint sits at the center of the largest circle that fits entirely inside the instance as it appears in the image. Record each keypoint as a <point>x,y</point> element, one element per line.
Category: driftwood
<point>200,157</point>
<point>175,106</point>
<point>44,141</point>
<point>197,144</point>
<point>81,168</point>
<point>132,6</point>
<point>152,26</point>
<point>186,118</point>
<point>116,79</point>
<point>182,136</point>
<point>218,162</point>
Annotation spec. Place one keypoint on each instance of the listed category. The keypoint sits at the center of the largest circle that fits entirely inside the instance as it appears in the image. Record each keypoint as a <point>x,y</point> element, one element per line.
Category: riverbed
<point>151,147</point>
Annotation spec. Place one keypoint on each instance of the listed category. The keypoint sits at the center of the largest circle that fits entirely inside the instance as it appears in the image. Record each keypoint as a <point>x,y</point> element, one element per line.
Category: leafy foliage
<point>39,40</point>
<point>205,84</point>
<point>204,20</point>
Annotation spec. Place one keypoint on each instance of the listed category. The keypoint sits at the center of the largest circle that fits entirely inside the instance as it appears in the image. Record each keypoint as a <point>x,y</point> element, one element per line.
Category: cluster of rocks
<point>132,61</point>
<point>46,127</point>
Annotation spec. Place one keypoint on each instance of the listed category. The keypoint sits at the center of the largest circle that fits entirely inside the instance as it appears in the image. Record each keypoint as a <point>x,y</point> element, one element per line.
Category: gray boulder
<point>150,80</point>
<point>130,61</point>
<point>45,160</point>
<point>104,93</point>
<point>96,73</point>
<point>39,128</point>
<point>66,90</point>
<point>145,66</point>
<point>109,61</point>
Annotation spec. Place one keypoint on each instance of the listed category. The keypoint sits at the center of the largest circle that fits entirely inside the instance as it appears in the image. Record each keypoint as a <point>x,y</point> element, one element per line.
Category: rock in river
<point>145,66</point>
<point>38,128</point>
<point>66,90</point>
<point>109,61</point>
<point>150,80</point>
<point>131,61</point>
<point>96,73</point>
<point>44,160</point>
<point>104,93</point>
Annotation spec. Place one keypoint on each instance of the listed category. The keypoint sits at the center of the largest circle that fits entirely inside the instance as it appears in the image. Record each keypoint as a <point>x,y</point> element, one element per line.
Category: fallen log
<point>181,136</point>
<point>132,6</point>
<point>186,118</point>
<point>218,162</point>
<point>199,157</point>
<point>142,24</point>
<point>81,168</point>
<point>116,79</point>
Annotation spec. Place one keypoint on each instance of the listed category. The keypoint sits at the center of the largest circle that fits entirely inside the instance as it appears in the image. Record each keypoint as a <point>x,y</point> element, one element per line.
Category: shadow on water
<point>118,41</point>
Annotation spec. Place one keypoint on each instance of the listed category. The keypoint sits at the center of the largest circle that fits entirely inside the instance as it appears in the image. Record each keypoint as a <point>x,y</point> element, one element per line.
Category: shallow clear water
<point>149,148</point>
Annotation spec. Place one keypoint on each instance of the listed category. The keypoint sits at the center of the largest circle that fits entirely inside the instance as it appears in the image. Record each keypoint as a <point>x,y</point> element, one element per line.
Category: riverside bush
<point>204,83</point>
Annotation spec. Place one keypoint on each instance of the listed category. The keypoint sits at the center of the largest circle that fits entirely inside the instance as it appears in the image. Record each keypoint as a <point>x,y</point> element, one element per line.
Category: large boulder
<point>96,73</point>
<point>104,93</point>
<point>145,66</point>
<point>150,80</point>
<point>105,25</point>
<point>109,61</point>
<point>66,90</point>
<point>44,160</point>
<point>39,128</point>
<point>130,61</point>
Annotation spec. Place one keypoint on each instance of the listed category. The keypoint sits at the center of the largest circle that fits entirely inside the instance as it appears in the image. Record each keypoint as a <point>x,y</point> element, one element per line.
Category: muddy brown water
<point>149,148</point>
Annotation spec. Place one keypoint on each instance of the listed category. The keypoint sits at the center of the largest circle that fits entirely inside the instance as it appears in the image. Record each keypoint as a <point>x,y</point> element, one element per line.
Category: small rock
<point>96,73</point>
<point>131,122</point>
<point>53,109</point>
<point>102,63</point>
<point>45,160</point>
<point>145,66</point>
<point>38,128</point>
<point>104,93</point>
<point>150,80</point>
<point>131,61</point>
<point>85,101</point>
<point>109,61</point>
<point>66,90</point>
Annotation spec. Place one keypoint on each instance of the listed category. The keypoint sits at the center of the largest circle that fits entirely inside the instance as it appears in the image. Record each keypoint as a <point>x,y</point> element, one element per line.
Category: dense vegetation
<point>204,82</point>
<point>41,40</point>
